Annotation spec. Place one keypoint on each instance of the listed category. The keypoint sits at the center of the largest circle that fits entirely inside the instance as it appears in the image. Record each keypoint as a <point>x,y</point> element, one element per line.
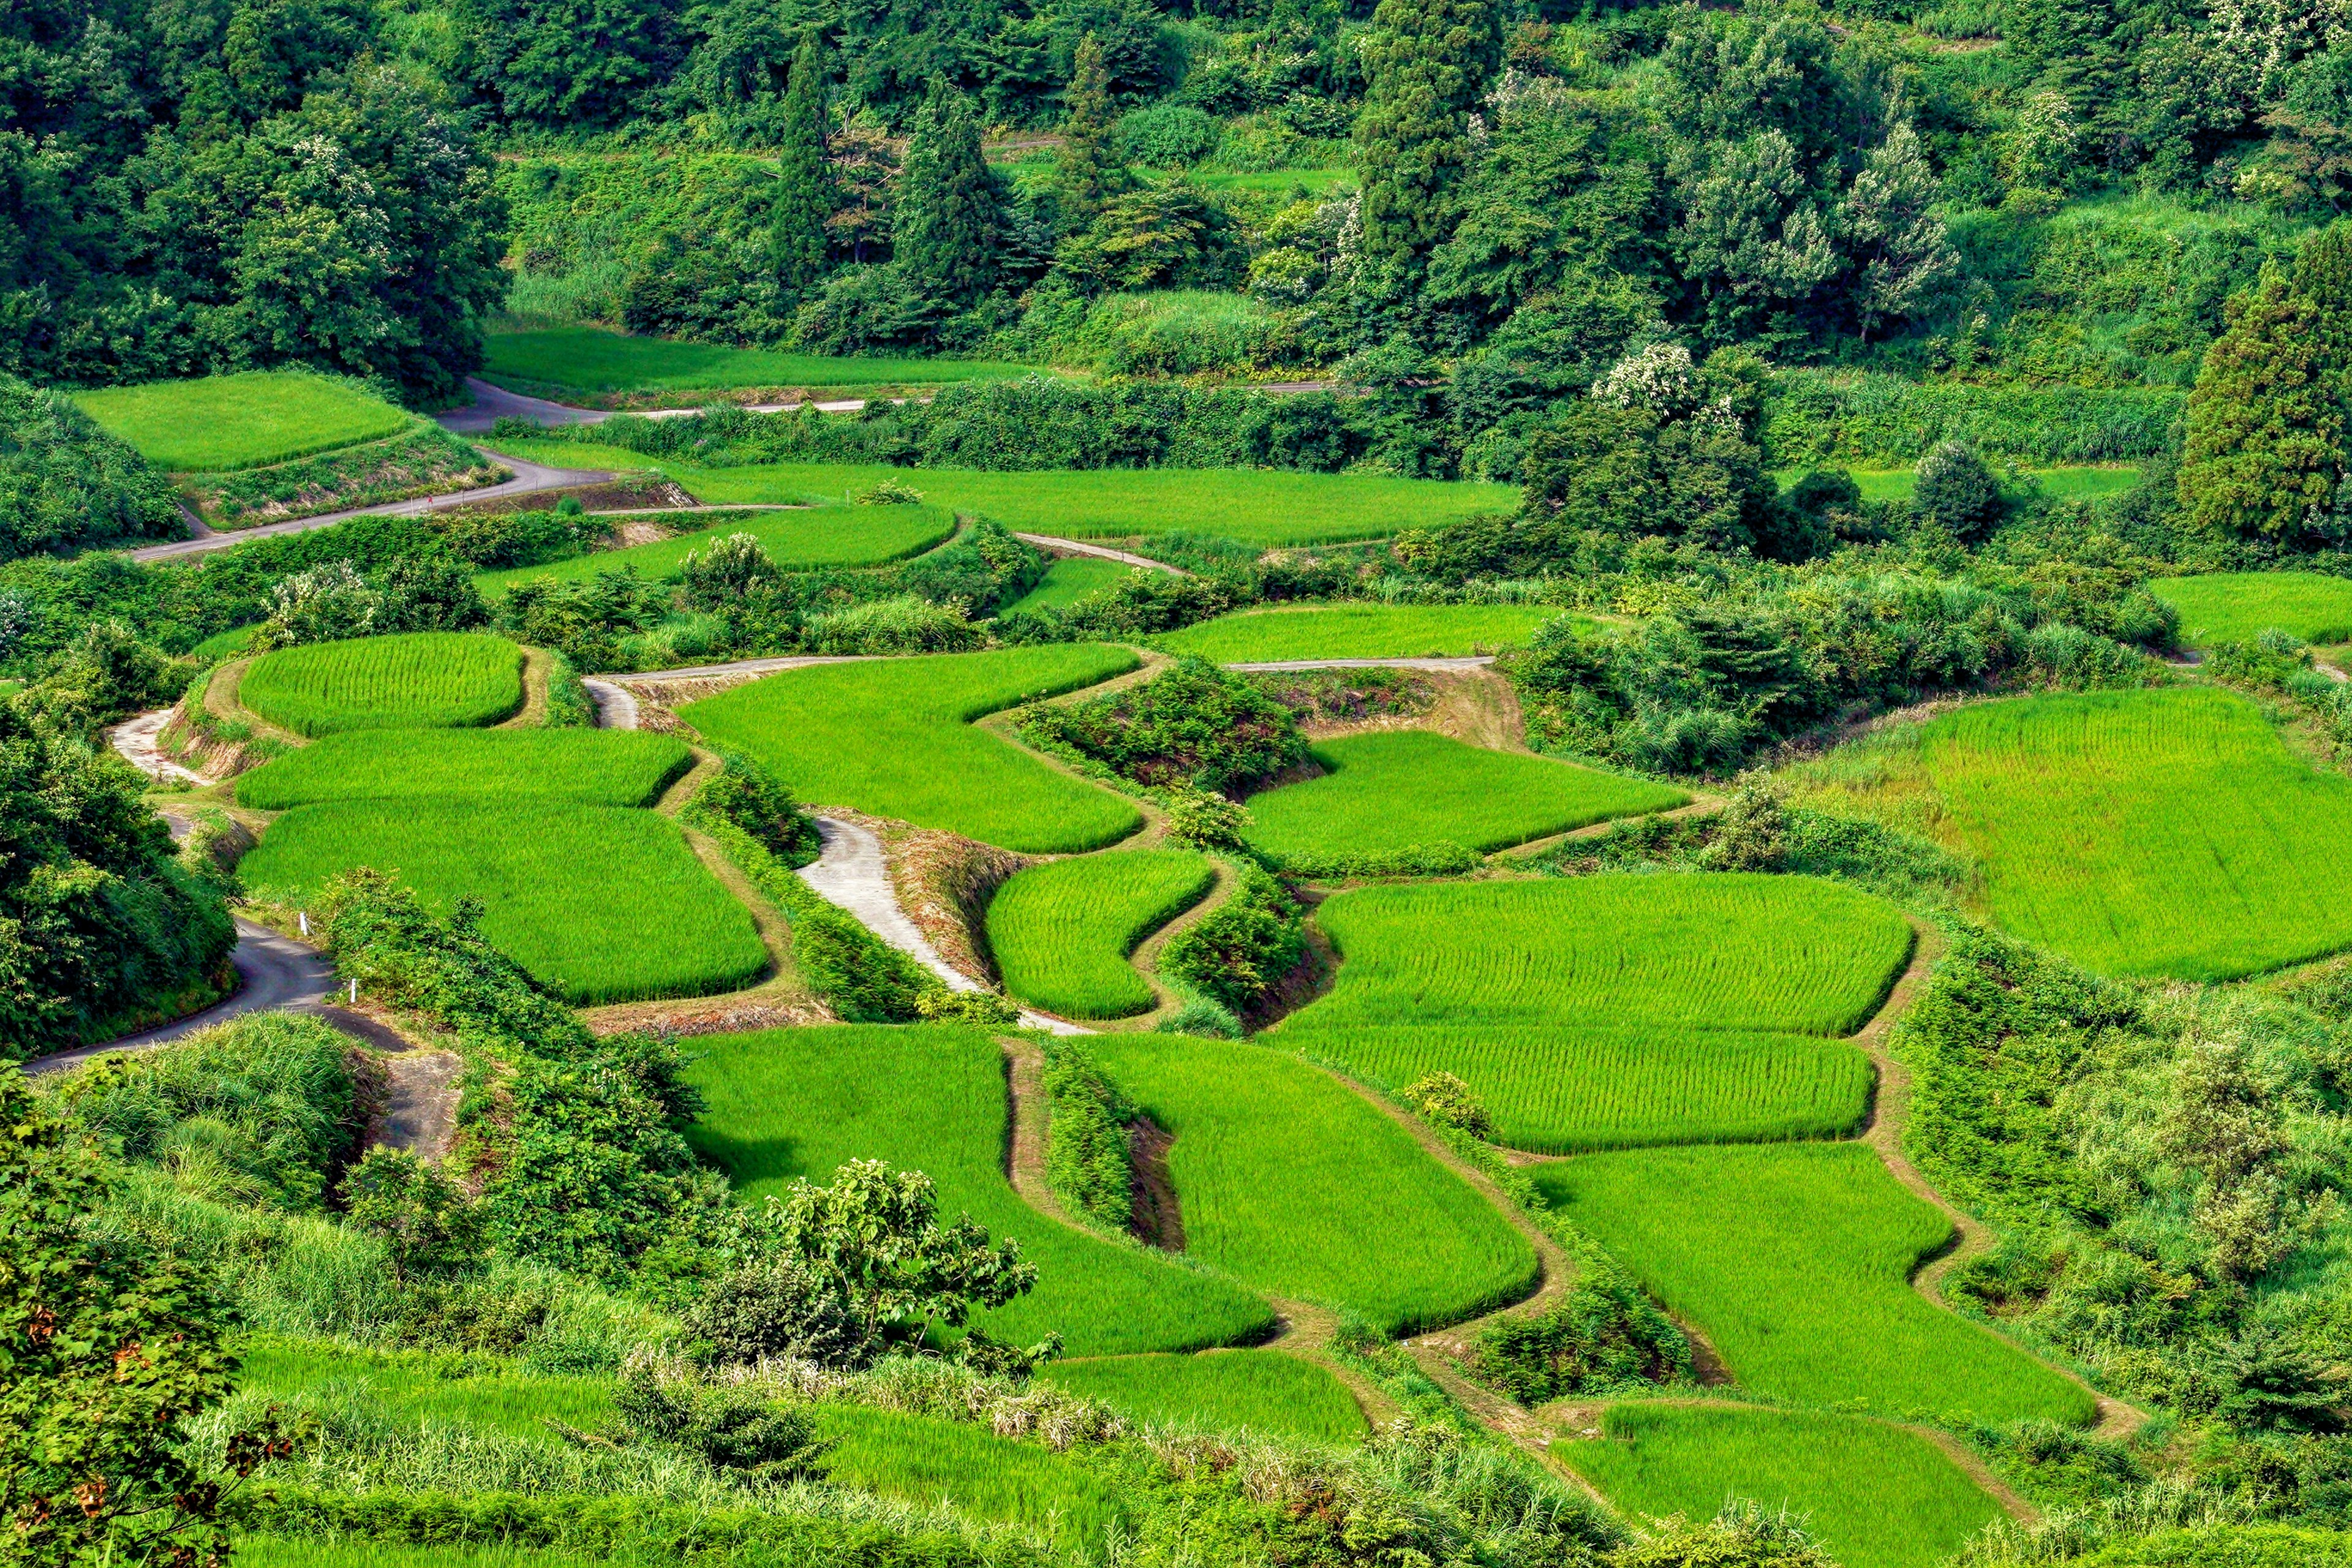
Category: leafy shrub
<point>904,625</point>
<point>745,795</point>
<point>771,1308</point>
<point>1192,724</point>
<point>1205,821</point>
<point>1956,493</point>
<point>1244,948</point>
<point>419,1213</point>
<point>890,492</point>
<point>1603,1335</point>
<point>1167,135</point>
<point>1086,1160</point>
<point>728,1428</point>
<point>1442,1098</point>
<point>65,484</point>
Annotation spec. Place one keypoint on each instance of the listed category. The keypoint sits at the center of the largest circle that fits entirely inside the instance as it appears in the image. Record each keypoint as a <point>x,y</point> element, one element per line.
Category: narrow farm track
<point>1307,1331</point>
<point>1700,805</point>
<point>1281,665</point>
<point>492,404</point>
<point>419,1112</point>
<point>1099,552</point>
<point>134,741</point>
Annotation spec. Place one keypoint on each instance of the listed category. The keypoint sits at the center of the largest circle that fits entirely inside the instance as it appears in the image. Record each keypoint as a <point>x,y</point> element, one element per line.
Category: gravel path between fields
<point>1099,552</point>
<point>492,404</point>
<point>1476,661</point>
<point>134,741</point>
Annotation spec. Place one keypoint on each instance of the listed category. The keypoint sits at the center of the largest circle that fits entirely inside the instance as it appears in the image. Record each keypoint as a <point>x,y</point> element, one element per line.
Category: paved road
<point>528,478</point>
<point>744,666</point>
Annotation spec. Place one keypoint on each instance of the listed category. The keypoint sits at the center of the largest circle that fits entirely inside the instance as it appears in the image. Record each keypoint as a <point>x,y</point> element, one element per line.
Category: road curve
<point>135,743</point>
<point>528,478</point>
<point>1101,552</point>
<point>492,404</point>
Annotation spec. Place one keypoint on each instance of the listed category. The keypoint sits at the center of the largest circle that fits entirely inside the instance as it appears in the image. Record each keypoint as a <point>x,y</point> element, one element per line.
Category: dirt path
<point>419,1112</point>
<point>135,743</point>
<point>616,707</point>
<point>1275,666</point>
<point>1099,552</point>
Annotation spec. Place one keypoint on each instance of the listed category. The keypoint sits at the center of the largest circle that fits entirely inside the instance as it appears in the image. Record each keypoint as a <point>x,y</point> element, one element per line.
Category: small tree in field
<point>421,1216</point>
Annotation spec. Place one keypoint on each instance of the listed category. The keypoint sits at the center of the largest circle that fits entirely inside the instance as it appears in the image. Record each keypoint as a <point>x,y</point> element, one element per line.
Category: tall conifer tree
<point>806,196</point>
<point>1429,61</point>
<point>1086,174</point>
<point>949,215</point>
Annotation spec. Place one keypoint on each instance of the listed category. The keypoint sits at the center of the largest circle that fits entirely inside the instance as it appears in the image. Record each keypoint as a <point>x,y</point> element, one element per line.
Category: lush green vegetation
<point>791,1103</point>
<point>1266,1391</point>
<point>894,737</point>
<point>66,484</point>
<point>1358,1216</point>
<point>991,1478</point>
<point>280,1551</point>
<point>600,903</point>
<point>1062,932</point>
<point>1357,631</point>
<point>1609,1011</point>
<point>2149,833</point>
<point>2238,606</point>
<point>585,358</point>
<point>794,540</point>
<point>1069,579</point>
<point>1795,1261</point>
<point>417,680</point>
<point>498,1396</point>
<point>1257,507</point>
<point>1873,1495</point>
<point>585,767</point>
<point>1394,796</point>
<point>241,421</point>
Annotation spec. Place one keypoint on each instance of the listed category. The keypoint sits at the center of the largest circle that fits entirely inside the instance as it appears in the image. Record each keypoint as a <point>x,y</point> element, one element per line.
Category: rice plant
<point>280,1551</point>
<point>789,1103</point>
<point>415,680</point>
<point>1265,1391</point>
<point>1357,631</point>
<point>241,421</point>
<point>796,541</point>
<point>1391,790</point>
<point>2149,833</point>
<point>986,1477</point>
<point>1603,1011</point>
<point>601,904</point>
<point>409,1387</point>
<point>1062,931</point>
<point>2237,606</point>
<point>1795,1260</point>
<point>586,767</point>
<point>1292,1184</point>
<point>1874,1496</point>
<point>1070,579</point>
<point>894,737</point>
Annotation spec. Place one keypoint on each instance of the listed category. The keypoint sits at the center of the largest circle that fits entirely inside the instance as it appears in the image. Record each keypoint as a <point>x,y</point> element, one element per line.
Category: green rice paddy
<point>601,904</point>
<point>1794,1260</point>
<point>1296,1185</point>
<point>1359,631</point>
<point>1069,579</point>
<point>586,767</point>
<point>788,1103</point>
<point>923,1461</point>
<point>894,737</point>
<point>796,540</point>
<point>1873,1496</point>
<point>1062,932</point>
<point>1389,791</point>
<point>241,421</point>
<point>1265,1391</point>
<point>515,1403</point>
<point>2237,606</point>
<point>1605,1012</point>
<point>415,680</point>
<point>593,360</point>
<point>357,1552</point>
<point>2149,833</point>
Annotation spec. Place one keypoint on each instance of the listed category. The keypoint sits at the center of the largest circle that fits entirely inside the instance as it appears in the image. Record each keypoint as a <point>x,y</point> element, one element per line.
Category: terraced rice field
<point>1062,932</point>
<point>788,1103</point>
<point>601,904</point>
<point>1794,1260</point>
<point>241,421</point>
<point>1605,1012</point>
<point>998,1479</point>
<point>2238,606</point>
<point>1359,631</point>
<point>1357,1214</point>
<point>1873,1496</point>
<point>1394,790</point>
<point>277,1552</point>
<point>586,767</point>
<point>415,680</point>
<point>796,540</point>
<point>591,360</point>
<point>515,1403</point>
<point>2149,833</point>
<point>1070,579</point>
<point>894,737</point>
<point>1265,1391</point>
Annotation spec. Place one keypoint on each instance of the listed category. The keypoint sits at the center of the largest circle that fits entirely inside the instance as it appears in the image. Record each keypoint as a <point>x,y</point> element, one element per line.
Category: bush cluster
<point>1242,950</point>
<point>1193,725</point>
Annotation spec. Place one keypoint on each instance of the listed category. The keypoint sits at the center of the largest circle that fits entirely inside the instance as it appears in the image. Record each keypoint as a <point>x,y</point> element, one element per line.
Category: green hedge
<point>65,484</point>
<point>1831,417</point>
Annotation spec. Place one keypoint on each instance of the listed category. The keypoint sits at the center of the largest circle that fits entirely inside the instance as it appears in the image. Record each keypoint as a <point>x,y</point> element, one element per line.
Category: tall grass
<point>986,1477</point>
<point>795,1103</point>
<point>796,540</point>
<point>241,421</point>
<point>1874,1496</point>
<point>586,767</point>
<point>1607,1010</point>
<point>1392,792</point>
<point>1294,1184</point>
<point>1357,631</point>
<point>415,680</point>
<point>2149,833</point>
<point>601,904</point>
<point>1062,932</point>
<point>1265,1391</point>
<point>2237,606</point>
<point>894,737</point>
<point>1794,1260</point>
<point>278,1552</point>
